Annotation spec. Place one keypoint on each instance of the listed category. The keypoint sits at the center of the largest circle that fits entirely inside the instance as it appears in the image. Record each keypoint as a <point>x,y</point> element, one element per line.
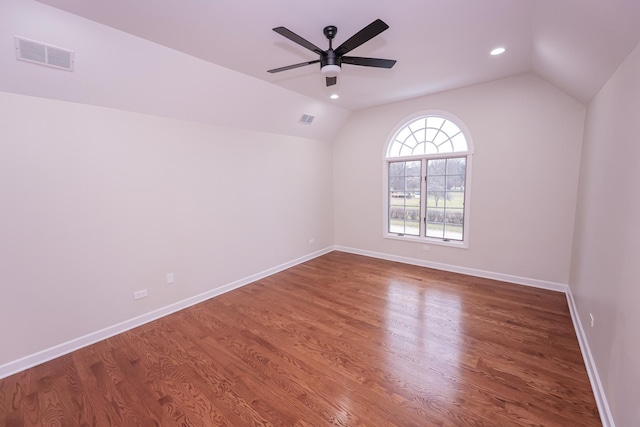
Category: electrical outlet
<point>592,319</point>
<point>140,294</point>
<point>312,241</point>
<point>170,279</point>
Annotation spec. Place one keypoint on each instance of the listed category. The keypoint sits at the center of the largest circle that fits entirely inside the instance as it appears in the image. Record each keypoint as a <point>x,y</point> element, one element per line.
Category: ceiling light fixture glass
<point>498,51</point>
<point>331,70</point>
<point>334,96</point>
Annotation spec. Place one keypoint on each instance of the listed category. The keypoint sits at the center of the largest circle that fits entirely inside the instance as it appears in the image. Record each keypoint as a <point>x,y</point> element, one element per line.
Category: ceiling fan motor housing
<point>331,60</point>
<point>330,63</point>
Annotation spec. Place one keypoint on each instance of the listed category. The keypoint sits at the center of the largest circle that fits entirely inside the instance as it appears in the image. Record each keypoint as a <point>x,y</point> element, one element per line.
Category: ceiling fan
<point>331,60</point>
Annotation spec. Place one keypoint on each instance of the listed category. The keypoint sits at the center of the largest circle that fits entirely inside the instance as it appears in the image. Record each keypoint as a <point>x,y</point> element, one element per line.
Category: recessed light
<point>498,51</point>
<point>334,96</point>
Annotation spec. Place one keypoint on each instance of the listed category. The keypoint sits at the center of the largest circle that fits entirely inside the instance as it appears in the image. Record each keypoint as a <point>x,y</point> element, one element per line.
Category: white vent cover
<point>306,119</point>
<point>43,54</point>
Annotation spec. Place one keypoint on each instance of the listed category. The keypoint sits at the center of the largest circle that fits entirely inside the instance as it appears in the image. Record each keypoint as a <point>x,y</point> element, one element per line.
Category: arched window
<point>427,166</point>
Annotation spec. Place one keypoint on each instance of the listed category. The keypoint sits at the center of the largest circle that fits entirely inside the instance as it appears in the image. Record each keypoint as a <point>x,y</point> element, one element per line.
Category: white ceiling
<point>439,44</point>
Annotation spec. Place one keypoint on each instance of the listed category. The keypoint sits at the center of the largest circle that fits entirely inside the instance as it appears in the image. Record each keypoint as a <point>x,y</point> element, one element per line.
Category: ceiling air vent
<point>43,54</point>
<point>306,119</point>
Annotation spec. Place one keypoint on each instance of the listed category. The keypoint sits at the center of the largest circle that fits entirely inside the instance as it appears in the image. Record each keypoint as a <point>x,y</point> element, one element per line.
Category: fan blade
<point>297,39</point>
<point>368,62</point>
<point>291,67</point>
<point>362,36</point>
<point>331,81</point>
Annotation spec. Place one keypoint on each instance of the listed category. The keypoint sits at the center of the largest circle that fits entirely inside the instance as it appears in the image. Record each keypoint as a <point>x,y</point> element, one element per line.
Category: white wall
<point>119,70</point>
<point>605,269</point>
<point>98,203</point>
<point>527,137</point>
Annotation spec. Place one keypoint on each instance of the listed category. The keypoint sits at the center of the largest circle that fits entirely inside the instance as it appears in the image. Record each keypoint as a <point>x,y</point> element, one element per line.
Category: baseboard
<point>594,378</point>
<point>86,340</point>
<point>598,391</point>
<point>558,287</point>
<point>35,359</point>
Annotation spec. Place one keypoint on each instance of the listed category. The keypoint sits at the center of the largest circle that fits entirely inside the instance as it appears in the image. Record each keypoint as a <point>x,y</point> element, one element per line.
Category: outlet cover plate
<point>140,294</point>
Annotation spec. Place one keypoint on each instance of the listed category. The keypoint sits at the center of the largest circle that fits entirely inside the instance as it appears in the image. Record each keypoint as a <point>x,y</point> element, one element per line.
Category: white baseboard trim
<point>598,391</point>
<point>552,286</point>
<point>40,357</point>
<point>29,361</point>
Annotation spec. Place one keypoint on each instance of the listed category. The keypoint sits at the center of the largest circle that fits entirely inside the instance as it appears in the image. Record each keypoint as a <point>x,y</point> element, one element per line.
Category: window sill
<point>428,241</point>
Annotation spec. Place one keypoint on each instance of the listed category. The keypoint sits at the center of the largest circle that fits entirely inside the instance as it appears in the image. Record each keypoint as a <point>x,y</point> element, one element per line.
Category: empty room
<point>295,213</point>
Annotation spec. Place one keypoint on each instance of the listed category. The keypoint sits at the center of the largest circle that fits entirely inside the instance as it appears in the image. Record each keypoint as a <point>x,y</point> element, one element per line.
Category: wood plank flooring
<point>340,340</point>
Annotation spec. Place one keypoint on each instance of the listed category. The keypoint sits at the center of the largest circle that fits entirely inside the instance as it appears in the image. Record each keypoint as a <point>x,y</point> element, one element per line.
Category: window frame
<point>468,154</point>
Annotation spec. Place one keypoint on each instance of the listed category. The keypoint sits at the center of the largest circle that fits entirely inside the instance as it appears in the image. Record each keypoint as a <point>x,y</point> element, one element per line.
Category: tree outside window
<point>428,156</point>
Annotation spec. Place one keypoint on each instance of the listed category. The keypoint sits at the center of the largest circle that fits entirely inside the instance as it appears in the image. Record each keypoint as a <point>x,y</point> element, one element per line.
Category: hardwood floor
<point>339,340</point>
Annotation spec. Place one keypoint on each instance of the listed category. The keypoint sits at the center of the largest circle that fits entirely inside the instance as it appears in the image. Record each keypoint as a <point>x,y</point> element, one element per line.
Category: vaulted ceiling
<point>439,44</point>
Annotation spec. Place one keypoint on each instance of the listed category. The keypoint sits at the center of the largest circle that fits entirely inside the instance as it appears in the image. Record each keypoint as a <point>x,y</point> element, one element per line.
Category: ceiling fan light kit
<point>331,60</point>
<point>331,70</point>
